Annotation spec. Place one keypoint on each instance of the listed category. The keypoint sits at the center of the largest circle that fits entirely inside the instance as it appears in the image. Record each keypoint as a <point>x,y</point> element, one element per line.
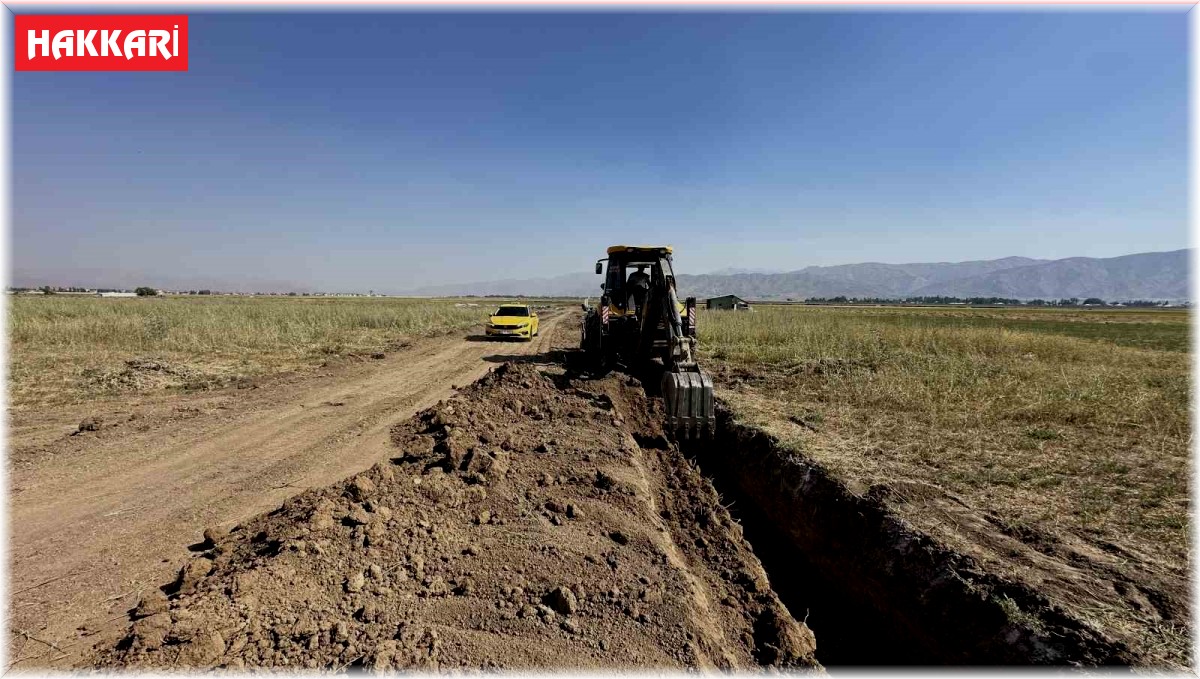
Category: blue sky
<point>382,151</point>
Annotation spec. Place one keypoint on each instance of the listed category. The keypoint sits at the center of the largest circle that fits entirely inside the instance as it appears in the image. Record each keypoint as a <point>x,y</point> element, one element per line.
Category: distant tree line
<point>1005,301</point>
<point>52,289</point>
<point>147,291</point>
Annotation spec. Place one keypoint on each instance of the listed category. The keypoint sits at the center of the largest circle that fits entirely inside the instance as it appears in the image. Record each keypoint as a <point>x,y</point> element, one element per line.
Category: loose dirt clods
<point>493,539</point>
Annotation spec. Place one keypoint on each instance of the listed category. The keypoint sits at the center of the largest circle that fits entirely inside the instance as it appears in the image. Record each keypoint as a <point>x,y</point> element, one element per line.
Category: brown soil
<point>105,498</point>
<point>532,521</point>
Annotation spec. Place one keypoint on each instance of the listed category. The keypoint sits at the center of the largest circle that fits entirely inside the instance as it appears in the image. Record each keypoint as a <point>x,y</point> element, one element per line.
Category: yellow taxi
<point>513,320</point>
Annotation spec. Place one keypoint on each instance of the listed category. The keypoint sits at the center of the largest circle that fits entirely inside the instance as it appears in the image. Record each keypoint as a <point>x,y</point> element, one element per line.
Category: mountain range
<point>1149,275</point>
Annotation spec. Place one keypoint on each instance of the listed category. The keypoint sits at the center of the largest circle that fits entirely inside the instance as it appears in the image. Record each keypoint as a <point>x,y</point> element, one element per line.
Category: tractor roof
<point>640,249</point>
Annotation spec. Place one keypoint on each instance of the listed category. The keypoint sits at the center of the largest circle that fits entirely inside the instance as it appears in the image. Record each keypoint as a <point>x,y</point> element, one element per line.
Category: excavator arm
<point>686,389</point>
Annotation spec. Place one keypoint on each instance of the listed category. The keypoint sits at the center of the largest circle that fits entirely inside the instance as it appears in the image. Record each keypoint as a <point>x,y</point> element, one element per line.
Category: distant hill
<point>852,280</point>
<point>730,270</point>
<point>1151,275</point>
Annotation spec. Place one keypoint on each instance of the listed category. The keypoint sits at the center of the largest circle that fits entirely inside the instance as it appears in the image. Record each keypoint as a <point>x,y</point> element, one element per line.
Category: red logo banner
<point>101,42</point>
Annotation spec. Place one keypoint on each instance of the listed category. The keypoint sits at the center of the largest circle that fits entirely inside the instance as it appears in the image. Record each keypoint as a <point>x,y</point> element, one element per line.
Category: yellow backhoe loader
<point>641,324</point>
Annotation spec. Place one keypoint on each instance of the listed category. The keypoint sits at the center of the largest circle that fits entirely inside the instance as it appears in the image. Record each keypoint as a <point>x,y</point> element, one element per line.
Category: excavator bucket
<point>689,402</point>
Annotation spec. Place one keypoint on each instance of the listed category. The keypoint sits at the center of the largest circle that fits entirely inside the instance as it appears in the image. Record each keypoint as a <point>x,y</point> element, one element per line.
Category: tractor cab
<point>641,324</point>
<point>633,270</point>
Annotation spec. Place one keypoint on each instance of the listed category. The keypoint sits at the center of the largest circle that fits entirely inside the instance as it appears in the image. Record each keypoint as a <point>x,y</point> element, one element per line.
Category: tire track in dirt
<point>707,624</point>
<point>87,537</point>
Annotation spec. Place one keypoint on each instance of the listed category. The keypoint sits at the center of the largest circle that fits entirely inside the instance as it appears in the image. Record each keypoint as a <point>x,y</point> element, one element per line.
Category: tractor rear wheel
<point>592,344</point>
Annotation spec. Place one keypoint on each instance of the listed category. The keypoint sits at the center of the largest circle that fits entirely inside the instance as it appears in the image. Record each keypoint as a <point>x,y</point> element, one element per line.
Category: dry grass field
<point>1063,423</point>
<point>1057,441</point>
<point>67,349</point>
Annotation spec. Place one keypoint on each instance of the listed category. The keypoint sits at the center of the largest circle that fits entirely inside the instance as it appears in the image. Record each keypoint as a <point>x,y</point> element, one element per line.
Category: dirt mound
<point>531,521</point>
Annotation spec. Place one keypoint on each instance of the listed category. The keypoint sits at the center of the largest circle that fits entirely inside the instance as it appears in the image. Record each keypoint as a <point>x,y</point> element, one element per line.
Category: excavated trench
<point>408,564</point>
<point>874,590</point>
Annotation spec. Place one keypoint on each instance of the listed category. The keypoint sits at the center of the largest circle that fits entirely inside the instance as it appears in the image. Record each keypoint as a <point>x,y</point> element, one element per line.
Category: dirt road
<point>99,517</point>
